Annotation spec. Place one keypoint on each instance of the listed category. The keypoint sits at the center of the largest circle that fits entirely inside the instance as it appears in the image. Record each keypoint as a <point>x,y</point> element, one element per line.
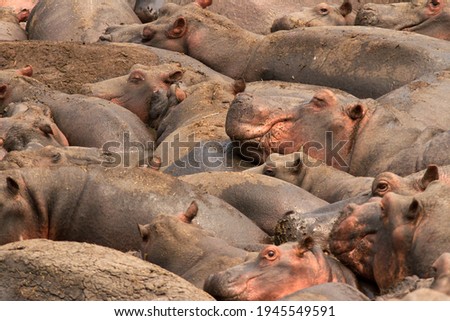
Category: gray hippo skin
<point>278,271</point>
<point>323,14</point>
<point>77,20</point>
<point>427,17</point>
<point>179,245</point>
<point>96,274</point>
<point>249,194</point>
<point>332,291</point>
<point>345,133</point>
<point>104,205</point>
<point>10,29</point>
<point>360,70</point>
<point>78,116</point>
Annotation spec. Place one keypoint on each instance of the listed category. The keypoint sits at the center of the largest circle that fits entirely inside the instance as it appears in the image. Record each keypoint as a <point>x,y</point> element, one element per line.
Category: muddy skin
<point>10,29</point>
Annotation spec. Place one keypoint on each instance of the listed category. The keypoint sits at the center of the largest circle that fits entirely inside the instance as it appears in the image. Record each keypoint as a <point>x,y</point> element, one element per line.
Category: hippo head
<point>323,14</point>
<point>414,233</point>
<point>7,94</point>
<point>399,16</point>
<point>147,91</point>
<point>389,182</point>
<point>277,271</point>
<point>324,128</point>
<point>168,232</point>
<point>20,218</point>
<point>171,28</point>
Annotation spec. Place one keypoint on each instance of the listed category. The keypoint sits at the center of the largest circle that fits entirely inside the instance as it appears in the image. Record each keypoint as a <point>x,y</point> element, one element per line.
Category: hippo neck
<point>240,44</point>
<point>340,273</point>
<point>53,198</point>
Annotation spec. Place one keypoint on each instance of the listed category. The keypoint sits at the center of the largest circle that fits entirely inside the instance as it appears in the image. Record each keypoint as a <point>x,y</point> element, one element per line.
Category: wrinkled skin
<point>427,17</point>
<point>102,205</point>
<point>364,73</point>
<point>194,252</point>
<point>278,271</point>
<point>323,14</point>
<point>354,233</point>
<point>25,123</point>
<point>323,181</point>
<point>147,10</point>
<point>10,29</point>
<point>145,91</point>
<point>78,116</point>
<point>21,7</point>
<point>346,133</point>
<point>413,235</point>
<point>77,20</point>
<point>248,192</point>
<point>441,281</point>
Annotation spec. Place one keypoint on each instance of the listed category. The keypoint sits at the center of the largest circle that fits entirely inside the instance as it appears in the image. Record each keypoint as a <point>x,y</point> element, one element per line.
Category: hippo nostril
<point>148,33</point>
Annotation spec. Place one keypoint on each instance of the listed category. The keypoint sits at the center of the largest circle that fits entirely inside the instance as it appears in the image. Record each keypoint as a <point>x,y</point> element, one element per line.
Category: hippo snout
<point>220,286</point>
<point>148,33</point>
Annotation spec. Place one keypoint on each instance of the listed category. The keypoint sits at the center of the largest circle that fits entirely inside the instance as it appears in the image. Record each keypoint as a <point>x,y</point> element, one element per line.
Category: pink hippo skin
<point>427,17</point>
<point>10,29</point>
<point>278,271</point>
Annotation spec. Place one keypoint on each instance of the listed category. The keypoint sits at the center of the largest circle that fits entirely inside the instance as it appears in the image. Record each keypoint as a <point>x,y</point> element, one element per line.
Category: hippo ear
<point>174,76</point>
<point>12,186</point>
<point>178,29</point>
<point>296,166</point>
<point>305,245</point>
<point>144,231</point>
<point>345,8</point>
<point>430,175</point>
<point>356,111</point>
<point>204,3</point>
<point>26,71</point>
<point>239,86</point>
<point>190,213</point>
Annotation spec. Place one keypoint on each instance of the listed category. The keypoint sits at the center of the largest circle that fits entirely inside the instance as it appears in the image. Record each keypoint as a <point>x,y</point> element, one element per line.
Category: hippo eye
<point>270,255</point>
<point>56,157</point>
<point>323,11</point>
<point>381,188</point>
<point>269,171</point>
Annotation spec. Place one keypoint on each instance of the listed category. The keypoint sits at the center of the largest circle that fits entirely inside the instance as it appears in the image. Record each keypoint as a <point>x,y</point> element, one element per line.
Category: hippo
<point>426,17</point>
<point>105,204</point>
<point>201,252</point>
<point>346,133</point>
<point>248,193</point>
<point>412,236</point>
<point>10,29</point>
<point>332,291</point>
<point>143,91</point>
<point>77,20</point>
<point>441,280</point>
<point>323,14</point>
<point>37,155</point>
<point>278,271</point>
<point>366,73</point>
<point>147,10</point>
<point>28,122</point>
<point>78,116</point>
<point>354,232</point>
<point>21,8</point>
<point>325,182</point>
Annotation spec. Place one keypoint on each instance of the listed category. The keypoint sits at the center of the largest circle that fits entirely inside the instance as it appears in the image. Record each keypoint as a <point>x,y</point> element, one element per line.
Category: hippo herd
<point>225,150</point>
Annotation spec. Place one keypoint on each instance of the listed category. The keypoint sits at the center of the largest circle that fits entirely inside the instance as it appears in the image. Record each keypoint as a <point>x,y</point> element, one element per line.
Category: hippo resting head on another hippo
<point>342,131</point>
<point>180,246</point>
<point>427,17</point>
<point>323,14</point>
<point>278,271</point>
